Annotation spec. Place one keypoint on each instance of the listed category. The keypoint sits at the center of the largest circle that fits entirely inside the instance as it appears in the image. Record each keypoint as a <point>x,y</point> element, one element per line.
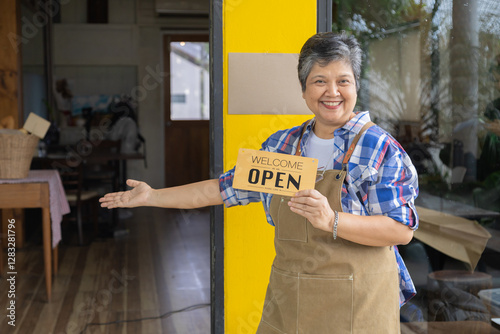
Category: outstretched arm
<point>189,196</point>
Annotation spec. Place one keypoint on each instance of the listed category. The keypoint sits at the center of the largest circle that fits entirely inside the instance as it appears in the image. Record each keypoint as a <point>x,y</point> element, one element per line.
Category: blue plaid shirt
<point>381,180</point>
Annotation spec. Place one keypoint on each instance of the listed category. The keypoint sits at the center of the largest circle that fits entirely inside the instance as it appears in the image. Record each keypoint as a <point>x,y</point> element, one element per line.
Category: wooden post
<point>10,81</point>
<point>10,61</point>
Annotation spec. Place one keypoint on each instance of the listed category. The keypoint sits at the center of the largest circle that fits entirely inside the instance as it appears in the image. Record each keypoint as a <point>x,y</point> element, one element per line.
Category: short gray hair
<point>326,47</point>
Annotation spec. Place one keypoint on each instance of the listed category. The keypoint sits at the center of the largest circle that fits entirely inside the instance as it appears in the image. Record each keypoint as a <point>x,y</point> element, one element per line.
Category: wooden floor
<point>161,265</point>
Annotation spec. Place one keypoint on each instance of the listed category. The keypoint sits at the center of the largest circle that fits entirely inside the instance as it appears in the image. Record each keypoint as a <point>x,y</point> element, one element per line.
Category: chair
<point>1,258</point>
<point>78,198</point>
<point>101,168</point>
<point>102,172</point>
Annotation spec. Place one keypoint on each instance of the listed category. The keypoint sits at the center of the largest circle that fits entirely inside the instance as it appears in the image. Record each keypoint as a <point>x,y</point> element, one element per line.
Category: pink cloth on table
<point>59,205</point>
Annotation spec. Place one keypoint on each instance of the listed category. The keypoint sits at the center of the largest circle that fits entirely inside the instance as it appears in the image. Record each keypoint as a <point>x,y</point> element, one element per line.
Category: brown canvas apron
<point>319,285</point>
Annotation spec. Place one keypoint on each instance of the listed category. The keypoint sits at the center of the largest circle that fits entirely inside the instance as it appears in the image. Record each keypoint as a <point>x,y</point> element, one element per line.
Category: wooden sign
<point>274,173</point>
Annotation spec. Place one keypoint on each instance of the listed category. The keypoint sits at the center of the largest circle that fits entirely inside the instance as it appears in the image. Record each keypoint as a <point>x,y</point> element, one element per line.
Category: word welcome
<point>283,163</point>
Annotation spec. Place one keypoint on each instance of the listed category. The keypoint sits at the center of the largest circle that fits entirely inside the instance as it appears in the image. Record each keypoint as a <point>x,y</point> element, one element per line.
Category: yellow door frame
<point>242,241</point>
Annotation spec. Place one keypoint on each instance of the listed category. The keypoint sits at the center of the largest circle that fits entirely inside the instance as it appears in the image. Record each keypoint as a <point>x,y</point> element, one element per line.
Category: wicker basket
<point>16,153</point>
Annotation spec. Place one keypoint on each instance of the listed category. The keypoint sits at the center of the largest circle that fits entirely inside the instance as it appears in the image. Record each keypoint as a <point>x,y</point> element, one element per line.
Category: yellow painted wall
<point>255,26</point>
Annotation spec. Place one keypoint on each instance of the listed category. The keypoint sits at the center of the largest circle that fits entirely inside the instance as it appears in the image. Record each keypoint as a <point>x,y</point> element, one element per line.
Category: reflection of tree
<point>433,114</point>
<point>457,40</point>
<point>370,21</point>
<point>388,103</point>
<point>440,93</point>
<point>374,19</point>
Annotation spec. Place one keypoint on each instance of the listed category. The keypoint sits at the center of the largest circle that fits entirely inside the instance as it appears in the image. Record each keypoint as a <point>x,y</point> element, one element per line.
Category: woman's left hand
<point>312,205</point>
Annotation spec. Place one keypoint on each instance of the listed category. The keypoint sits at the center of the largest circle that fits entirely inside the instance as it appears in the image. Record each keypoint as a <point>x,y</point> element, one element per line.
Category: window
<point>189,81</point>
<point>431,78</point>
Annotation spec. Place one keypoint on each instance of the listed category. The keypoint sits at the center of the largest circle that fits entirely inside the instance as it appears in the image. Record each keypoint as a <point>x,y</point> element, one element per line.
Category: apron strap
<point>298,151</point>
<point>351,148</point>
<point>355,142</point>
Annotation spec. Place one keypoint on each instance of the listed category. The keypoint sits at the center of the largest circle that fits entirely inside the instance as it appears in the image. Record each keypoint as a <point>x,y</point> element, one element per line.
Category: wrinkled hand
<point>139,195</point>
<point>312,205</point>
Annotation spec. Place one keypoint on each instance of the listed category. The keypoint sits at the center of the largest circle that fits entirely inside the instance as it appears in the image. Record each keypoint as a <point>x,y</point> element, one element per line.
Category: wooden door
<point>186,109</point>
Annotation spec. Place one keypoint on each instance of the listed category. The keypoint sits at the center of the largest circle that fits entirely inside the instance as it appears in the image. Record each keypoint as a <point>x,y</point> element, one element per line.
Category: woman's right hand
<point>139,195</point>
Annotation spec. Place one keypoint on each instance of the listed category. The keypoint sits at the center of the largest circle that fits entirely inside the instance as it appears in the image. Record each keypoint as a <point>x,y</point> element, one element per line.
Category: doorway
<point>187,101</point>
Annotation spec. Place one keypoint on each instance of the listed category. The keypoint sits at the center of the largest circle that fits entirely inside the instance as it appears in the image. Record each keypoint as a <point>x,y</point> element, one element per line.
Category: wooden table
<point>42,189</point>
<point>33,195</point>
<point>119,160</point>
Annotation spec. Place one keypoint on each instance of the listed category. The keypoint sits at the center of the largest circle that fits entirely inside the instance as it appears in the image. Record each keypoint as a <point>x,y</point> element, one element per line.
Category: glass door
<point>187,101</point>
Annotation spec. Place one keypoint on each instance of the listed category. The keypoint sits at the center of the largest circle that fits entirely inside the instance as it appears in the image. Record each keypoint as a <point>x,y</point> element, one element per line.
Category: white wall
<point>95,44</point>
<point>120,57</point>
<point>33,79</point>
<point>94,80</point>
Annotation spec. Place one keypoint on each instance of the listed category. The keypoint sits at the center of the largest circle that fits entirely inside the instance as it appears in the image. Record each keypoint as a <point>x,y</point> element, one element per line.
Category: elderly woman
<point>337,269</point>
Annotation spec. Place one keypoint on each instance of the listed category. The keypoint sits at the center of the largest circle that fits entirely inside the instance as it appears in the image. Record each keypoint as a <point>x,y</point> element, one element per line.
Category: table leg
<point>18,214</point>
<point>124,174</point>
<point>1,258</point>
<point>47,251</point>
<point>3,240</point>
<point>55,255</point>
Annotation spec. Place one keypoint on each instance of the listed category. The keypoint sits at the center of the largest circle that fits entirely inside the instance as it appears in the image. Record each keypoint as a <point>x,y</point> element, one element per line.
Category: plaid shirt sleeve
<point>283,141</point>
<point>383,178</point>
<point>232,196</point>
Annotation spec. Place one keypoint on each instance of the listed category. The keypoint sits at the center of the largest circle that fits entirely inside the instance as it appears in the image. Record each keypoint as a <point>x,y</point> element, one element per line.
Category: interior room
<point>94,55</point>
<point>149,90</point>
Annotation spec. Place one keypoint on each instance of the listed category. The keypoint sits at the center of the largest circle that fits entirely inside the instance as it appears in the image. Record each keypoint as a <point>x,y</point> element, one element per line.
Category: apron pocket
<point>280,307</point>
<point>291,226</point>
<point>325,304</point>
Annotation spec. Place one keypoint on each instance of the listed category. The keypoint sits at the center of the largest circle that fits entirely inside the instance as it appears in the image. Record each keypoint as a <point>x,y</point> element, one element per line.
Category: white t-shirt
<point>321,149</point>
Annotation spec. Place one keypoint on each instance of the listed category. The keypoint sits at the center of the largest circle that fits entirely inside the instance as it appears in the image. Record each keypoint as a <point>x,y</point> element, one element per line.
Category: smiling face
<point>331,95</point>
